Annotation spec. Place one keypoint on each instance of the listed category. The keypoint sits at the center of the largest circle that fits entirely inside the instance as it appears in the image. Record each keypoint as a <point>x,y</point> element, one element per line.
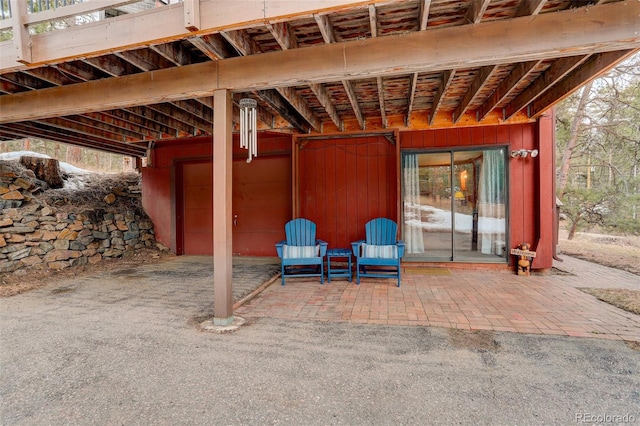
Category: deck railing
<point>47,15</point>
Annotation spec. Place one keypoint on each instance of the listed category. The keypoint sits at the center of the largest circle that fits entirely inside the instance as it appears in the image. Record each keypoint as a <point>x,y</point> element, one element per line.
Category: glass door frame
<point>451,151</point>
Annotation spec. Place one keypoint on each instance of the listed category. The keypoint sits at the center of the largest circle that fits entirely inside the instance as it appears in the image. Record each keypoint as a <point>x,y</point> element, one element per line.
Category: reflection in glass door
<point>455,205</point>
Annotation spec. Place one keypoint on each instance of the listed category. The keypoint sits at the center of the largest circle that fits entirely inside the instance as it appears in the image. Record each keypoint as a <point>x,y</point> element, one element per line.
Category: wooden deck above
<point>316,66</point>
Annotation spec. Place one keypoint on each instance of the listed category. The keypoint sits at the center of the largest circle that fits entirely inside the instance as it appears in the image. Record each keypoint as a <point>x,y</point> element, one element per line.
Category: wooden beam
<point>65,123</point>
<point>517,74</point>
<point>21,37</point>
<point>383,112</point>
<point>292,97</point>
<point>174,113</point>
<point>529,7</point>
<point>326,29</point>
<point>476,11</point>
<point>10,87</point>
<point>275,101</point>
<point>46,131</point>
<point>212,46</point>
<point>481,79</point>
<point>51,75</point>
<point>557,35</point>
<point>105,117</point>
<point>222,197</point>
<point>373,20</point>
<point>15,131</point>
<point>160,114</point>
<point>246,46</point>
<point>192,15</point>
<point>135,119</point>
<point>326,102</point>
<point>281,32</point>
<point>80,71</point>
<point>353,99</point>
<point>413,83</point>
<point>112,65</point>
<point>197,109</point>
<point>242,42</point>
<point>591,69</point>
<point>84,122</point>
<point>286,40</point>
<point>556,72</point>
<point>443,86</point>
<point>26,80</point>
<point>173,52</point>
<point>144,59</point>
<point>424,14</point>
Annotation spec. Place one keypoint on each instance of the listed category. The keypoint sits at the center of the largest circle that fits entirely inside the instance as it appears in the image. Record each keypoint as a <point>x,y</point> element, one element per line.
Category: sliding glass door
<point>455,205</point>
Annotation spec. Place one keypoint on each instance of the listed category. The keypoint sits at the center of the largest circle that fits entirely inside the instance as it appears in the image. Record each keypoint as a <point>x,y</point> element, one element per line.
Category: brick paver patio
<point>473,300</point>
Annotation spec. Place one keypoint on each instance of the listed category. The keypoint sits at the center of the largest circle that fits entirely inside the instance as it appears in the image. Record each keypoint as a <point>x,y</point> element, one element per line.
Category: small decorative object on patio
<point>379,255</point>
<point>248,129</point>
<point>301,254</point>
<point>525,258</point>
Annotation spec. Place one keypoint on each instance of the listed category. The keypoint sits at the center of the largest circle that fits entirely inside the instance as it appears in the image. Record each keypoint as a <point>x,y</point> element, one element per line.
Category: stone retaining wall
<point>34,234</point>
<point>36,237</point>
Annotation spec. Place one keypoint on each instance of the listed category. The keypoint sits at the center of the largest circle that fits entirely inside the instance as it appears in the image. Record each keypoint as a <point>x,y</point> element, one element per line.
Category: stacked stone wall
<point>36,235</point>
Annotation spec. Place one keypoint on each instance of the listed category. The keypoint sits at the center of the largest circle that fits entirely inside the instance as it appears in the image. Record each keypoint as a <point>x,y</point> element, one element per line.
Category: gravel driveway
<point>123,347</point>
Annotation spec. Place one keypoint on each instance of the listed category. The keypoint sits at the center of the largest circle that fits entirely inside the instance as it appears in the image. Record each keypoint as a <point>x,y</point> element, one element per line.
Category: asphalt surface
<point>124,347</point>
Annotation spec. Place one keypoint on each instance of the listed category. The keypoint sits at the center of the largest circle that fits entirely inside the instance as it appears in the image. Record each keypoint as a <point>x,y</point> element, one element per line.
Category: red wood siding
<point>261,204</point>
<point>344,183</point>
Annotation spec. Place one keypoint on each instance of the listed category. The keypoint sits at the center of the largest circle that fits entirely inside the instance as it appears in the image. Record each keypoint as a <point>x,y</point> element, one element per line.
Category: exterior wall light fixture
<point>523,153</point>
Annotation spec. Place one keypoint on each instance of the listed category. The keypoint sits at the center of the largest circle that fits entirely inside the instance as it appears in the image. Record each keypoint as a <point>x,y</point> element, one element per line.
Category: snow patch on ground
<point>440,220</point>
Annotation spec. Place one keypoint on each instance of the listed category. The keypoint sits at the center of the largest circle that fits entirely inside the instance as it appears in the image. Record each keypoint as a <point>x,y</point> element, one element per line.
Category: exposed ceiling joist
<point>326,102</point>
<point>551,76</point>
<point>529,7</point>
<point>443,86</point>
<point>212,46</point>
<point>275,101</point>
<point>383,113</point>
<point>517,74</point>
<point>594,66</point>
<point>353,100</point>
<point>424,14</point>
<point>480,80</point>
<point>476,11</point>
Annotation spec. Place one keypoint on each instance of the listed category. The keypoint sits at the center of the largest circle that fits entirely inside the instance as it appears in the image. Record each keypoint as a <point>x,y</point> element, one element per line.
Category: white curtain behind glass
<point>414,243</point>
<point>491,208</point>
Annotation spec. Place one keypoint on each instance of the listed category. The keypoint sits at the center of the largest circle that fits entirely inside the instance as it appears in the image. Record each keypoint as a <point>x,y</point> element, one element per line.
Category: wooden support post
<point>222,222</point>
<point>21,38</point>
<point>191,14</point>
<point>546,190</point>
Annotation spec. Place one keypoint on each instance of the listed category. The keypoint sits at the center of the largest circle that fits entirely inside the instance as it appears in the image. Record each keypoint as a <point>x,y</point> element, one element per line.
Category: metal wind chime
<point>248,130</point>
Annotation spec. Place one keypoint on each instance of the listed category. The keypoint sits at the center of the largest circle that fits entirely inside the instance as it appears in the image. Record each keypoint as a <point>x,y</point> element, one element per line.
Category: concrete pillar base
<point>223,325</point>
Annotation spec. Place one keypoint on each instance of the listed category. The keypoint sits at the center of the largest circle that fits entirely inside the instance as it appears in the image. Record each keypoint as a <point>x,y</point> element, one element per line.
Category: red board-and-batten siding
<point>342,183</point>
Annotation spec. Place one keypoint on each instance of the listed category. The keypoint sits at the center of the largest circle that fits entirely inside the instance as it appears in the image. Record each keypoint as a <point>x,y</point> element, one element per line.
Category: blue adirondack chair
<point>301,254</point>
<point>379,255</point>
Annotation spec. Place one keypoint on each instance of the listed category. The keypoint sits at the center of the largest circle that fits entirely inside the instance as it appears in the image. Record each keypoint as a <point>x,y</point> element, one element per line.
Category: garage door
<point>197,235</point>
<point>261,206</point>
